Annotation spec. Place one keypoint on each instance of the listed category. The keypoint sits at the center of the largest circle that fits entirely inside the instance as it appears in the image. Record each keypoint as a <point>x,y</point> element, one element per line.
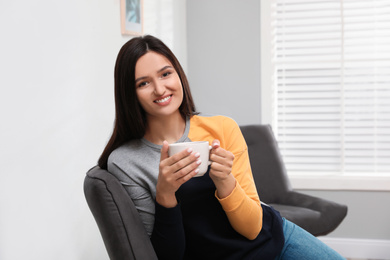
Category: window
<point>326,88</point>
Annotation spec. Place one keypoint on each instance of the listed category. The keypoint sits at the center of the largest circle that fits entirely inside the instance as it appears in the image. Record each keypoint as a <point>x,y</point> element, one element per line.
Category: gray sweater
<point>136,165</point>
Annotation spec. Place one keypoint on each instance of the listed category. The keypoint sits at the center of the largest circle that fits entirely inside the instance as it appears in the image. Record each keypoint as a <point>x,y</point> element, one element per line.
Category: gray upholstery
<point>116,216</point>
<point>316,215</point>
<point>125,237</point>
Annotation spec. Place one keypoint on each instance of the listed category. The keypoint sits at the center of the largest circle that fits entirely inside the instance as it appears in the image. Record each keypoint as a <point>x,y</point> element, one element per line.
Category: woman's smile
<point>163,101</point>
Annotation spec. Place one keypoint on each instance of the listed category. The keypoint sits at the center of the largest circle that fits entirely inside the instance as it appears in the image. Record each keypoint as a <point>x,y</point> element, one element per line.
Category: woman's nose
<point>159,88</point>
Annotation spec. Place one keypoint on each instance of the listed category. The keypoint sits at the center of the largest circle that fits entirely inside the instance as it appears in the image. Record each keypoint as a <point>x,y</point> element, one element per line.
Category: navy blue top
<point>198,228</point>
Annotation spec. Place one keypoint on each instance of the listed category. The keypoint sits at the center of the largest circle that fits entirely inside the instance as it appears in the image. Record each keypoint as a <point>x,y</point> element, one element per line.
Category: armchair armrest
<point>302,209</point>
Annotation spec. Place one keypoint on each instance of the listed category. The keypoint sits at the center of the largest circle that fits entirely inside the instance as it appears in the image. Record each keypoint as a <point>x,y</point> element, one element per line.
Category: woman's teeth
<point>163,100</point>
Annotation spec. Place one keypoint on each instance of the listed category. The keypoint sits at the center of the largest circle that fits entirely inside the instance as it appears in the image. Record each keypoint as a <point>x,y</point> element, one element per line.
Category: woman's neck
<point>168,129</point>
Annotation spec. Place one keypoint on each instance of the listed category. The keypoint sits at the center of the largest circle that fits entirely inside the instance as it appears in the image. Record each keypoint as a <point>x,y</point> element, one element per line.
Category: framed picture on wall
<point>132,17</point>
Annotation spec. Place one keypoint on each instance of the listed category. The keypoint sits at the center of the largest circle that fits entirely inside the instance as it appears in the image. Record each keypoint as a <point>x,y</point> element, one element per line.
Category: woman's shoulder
<point>124,151</point>
<point>210,127</point>
<point>219,120</point>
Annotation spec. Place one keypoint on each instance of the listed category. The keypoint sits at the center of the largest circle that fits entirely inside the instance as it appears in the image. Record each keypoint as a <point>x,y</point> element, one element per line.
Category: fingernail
<point>189,150</point>
<point>197,155</point>
<point>196,170</point>
<point>199,161</point>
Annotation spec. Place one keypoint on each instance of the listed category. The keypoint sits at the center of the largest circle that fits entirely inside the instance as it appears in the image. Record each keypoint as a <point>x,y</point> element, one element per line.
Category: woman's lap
<point>299,244</point>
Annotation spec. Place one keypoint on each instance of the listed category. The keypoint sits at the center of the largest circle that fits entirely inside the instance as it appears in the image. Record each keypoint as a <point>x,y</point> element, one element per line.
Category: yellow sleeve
<point>242,206</point>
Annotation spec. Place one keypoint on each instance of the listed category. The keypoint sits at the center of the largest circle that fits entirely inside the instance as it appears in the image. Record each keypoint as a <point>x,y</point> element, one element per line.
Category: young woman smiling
<point>216,216</point>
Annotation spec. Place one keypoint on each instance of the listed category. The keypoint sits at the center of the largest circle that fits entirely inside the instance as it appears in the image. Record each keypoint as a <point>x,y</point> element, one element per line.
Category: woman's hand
<point>173,172</point>
<point>221,169</point>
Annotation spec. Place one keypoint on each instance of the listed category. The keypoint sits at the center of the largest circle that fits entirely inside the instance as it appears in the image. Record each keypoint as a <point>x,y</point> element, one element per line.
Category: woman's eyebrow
<point>160,70</point>
<point>139,79</point>
<point>164,68</point>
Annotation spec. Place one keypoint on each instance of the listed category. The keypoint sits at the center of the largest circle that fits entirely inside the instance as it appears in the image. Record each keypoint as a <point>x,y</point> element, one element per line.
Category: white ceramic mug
<point>202,147</point>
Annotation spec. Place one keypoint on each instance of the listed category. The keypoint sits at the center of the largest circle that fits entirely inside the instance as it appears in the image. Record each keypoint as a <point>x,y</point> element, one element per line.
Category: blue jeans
<point>300,244</point>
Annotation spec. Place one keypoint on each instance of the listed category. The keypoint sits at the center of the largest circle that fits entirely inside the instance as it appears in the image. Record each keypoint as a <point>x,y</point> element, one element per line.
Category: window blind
<point>331,85</point>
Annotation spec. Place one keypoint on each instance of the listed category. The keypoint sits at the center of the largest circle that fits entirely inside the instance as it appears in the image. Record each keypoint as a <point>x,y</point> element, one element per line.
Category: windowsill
<point>327,182</point>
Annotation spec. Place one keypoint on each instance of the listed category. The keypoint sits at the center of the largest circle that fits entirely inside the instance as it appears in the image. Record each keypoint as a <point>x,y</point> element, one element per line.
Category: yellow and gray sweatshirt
<point>201,226</point>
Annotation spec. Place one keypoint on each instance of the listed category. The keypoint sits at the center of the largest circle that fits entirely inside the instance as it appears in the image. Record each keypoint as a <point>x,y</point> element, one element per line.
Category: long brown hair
<point>130,118</point>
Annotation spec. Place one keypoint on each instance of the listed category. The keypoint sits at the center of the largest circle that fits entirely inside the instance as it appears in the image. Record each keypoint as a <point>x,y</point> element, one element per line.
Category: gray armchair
<point>125,237</point>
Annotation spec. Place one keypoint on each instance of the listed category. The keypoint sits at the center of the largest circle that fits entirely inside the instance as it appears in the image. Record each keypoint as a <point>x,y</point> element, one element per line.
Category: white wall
<point>56,100</point>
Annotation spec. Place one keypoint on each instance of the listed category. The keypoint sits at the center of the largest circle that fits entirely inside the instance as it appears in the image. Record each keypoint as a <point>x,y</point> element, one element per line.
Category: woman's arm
<point>221,169</point>
<point>244,212</point>
<point>242,204</point>
<point>168,237</point>
<point>140,195</point>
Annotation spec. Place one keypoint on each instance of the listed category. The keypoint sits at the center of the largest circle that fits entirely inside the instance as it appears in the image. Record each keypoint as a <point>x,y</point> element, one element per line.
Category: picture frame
<point>132,17</point>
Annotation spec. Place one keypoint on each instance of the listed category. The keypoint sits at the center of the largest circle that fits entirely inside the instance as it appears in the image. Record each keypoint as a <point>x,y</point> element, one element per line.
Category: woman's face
<point>158,85</point>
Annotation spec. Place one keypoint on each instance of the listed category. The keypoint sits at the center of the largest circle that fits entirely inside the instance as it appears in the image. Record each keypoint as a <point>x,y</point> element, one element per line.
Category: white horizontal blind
<point>331,81</point>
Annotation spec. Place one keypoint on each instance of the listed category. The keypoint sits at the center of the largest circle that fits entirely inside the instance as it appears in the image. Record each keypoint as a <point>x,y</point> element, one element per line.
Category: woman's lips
<point>164,100</point>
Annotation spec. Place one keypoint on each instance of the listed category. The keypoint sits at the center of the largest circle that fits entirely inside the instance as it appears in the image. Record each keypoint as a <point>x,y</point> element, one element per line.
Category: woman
<point>216,216</point>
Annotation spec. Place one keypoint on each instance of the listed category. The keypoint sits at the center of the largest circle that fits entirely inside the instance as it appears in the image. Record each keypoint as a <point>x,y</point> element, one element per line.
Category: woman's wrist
<point>166,200</point>
<point>225,186</point>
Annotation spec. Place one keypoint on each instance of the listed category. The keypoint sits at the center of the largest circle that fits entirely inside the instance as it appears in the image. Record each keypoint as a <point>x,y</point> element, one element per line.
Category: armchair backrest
<point>118,220</point>
<point>266,161</point>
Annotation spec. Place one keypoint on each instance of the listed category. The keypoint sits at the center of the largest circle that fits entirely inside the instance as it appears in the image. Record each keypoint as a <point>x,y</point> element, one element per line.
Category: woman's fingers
<point>185,162</point>
<point>192,166</point>
<point>221,162</point>
<point>215,143</point>
<point>179,165</point>
<point>168,162</point>
<point>164,151</point>
<point>220,155</point>
<point>179,156</point>
<point>187,175</point>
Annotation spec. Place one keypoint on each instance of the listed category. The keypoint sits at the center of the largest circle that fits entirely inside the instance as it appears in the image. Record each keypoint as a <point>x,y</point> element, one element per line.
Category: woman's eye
<point>166,74</point>
<point>142,84</point>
